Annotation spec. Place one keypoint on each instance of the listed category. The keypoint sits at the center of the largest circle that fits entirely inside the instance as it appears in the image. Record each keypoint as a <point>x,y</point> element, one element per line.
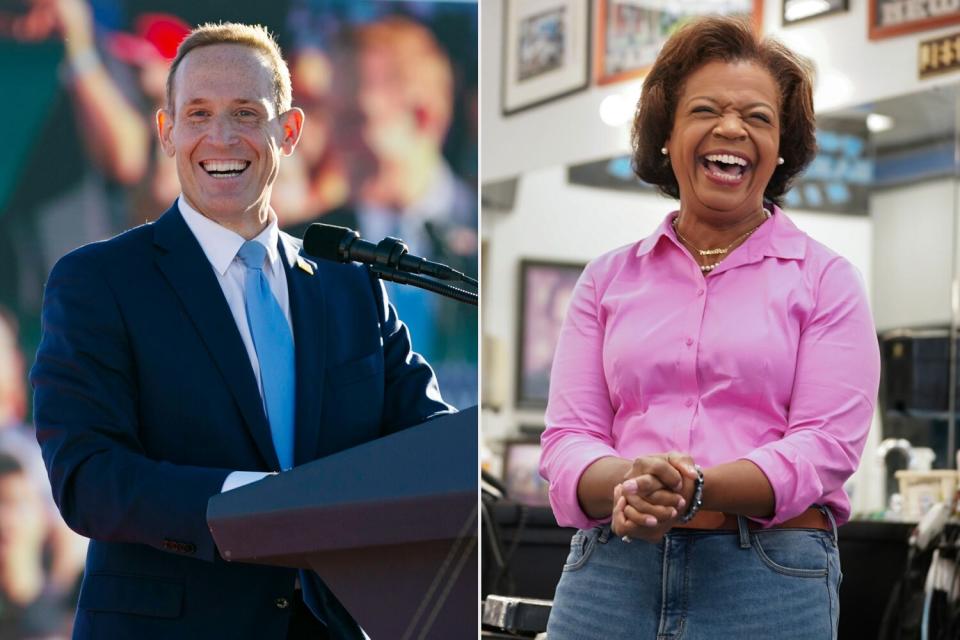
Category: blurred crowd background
<point>389,148</point>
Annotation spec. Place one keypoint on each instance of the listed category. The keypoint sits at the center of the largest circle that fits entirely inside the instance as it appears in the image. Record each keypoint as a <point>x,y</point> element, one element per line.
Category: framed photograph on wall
<point>799,10</point>
<point>630,33</point>
<point>546,52</point>
<point>889,18</point>
<point>521,474</point>
<point>545,290</point>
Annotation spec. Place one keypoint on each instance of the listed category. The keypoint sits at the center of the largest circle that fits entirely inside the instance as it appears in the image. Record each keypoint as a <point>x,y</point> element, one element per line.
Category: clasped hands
<point>653,496</point>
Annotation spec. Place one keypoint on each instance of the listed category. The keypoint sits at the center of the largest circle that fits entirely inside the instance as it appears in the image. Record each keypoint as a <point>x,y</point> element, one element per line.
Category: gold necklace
<point>706,268</point>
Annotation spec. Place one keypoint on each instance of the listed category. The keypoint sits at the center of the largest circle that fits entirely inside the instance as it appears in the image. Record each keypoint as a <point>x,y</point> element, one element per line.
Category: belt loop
<point>604,534</point>
<point>744,532</point>
<point>833,522</point>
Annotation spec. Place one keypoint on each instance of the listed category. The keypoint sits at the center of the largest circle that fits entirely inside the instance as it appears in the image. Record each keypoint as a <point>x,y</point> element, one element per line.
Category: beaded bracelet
<point>697,500</point>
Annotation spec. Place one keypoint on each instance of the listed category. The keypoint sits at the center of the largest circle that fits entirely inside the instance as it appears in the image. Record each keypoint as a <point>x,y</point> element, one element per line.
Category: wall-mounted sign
<point>938,55</point>
<point>610,173</point>
<point>839,178</point>
<point>897,17</point>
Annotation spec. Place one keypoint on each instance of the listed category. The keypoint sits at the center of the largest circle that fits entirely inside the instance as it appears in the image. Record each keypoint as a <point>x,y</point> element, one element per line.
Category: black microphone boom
<point>340,244</point>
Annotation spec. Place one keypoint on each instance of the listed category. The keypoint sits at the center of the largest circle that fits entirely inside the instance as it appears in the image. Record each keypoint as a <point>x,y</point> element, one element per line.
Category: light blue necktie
<point>274,345</point>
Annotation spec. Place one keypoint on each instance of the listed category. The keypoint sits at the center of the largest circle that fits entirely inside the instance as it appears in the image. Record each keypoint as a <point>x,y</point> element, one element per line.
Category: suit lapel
<point>309,332</point>
<point>186,268</point>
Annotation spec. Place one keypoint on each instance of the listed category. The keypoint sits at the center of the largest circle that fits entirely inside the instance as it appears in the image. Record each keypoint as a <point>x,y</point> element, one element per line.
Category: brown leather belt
<point>812,518</point>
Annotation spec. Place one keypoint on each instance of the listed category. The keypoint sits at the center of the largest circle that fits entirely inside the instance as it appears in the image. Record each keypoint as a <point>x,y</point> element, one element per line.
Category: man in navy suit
<point>155,389</point>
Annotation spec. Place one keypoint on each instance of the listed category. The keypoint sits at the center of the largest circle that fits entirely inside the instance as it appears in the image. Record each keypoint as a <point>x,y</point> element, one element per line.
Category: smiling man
<point>195,354</point>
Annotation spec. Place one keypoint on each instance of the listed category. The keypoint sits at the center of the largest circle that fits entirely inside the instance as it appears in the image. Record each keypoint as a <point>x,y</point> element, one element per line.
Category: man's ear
<point>164,120</point>
<point>292,123</point>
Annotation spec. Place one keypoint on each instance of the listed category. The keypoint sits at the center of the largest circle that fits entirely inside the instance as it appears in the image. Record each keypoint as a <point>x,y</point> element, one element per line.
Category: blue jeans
<point>699,585</point>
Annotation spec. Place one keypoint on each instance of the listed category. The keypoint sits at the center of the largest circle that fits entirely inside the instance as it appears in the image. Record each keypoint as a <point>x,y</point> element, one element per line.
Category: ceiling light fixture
<point>877,123</point>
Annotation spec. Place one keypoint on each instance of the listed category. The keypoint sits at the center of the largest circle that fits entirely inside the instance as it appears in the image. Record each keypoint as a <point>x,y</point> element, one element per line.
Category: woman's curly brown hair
<point>729,40</point>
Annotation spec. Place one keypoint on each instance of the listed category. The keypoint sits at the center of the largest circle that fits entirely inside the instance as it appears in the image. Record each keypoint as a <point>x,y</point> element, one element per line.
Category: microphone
<point>340,244</point>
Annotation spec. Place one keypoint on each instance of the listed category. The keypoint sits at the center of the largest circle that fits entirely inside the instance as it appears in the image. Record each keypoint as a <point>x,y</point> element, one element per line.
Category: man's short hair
<point>254,36</point>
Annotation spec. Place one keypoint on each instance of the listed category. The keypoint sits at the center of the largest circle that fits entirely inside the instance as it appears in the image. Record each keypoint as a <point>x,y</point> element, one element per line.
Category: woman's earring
<point>663,150</point>
<point>780,160</point>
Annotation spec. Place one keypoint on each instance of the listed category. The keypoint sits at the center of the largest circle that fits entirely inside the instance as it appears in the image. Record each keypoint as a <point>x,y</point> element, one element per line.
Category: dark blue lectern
<point>389,525</point>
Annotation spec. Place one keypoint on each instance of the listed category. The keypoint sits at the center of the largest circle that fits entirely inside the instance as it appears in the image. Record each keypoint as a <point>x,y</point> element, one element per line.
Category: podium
<point>390,526</point>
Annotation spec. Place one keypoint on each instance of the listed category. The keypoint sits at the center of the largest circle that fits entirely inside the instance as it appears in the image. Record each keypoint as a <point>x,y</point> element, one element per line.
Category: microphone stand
<point>391,250</point>
<point>395,275</point>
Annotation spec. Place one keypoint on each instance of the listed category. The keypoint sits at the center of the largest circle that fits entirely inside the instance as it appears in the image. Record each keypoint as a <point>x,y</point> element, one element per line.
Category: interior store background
<point>894,213</point>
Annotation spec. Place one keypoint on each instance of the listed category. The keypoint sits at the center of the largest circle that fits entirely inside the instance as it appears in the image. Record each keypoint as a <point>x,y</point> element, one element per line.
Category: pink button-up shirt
<point>772,358</point>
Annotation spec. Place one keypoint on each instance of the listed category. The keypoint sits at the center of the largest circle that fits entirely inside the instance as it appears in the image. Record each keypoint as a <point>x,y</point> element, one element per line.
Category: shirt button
<point>699,292</point>
<point>282,603</point>
<point>689,402</point>
<point>689,341</point>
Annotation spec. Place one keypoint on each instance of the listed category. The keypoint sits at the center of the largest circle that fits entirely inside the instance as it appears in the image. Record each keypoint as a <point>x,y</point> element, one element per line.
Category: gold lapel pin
<point>306,266</point>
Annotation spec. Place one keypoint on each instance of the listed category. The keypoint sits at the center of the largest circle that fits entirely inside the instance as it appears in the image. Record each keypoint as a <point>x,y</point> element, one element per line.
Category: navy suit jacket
<point>145,400</point>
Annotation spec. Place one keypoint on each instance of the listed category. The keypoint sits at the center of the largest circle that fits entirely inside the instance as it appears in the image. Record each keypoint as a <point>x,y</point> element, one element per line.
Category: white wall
<point>851,71</point>
<point>913,243</point>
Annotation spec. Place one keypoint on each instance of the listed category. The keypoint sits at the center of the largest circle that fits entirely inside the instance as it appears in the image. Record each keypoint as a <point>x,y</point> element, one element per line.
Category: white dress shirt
<point>221,245</point>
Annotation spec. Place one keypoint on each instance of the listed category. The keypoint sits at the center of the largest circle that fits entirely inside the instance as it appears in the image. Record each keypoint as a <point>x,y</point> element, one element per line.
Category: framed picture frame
<point>546,52</point>
<point>545,291</point>
<point>630,33</point>
<point>521,473</point>
<point>889,18</point>
<point>795,11</point>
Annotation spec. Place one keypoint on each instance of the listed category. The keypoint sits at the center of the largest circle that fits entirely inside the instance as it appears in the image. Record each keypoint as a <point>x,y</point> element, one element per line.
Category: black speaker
<point>916,371</point>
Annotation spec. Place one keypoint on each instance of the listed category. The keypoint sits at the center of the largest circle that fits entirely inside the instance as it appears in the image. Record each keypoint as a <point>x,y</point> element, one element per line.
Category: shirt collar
<point>665,230</point>
<point>221,244</point>
<point>778,237</point>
